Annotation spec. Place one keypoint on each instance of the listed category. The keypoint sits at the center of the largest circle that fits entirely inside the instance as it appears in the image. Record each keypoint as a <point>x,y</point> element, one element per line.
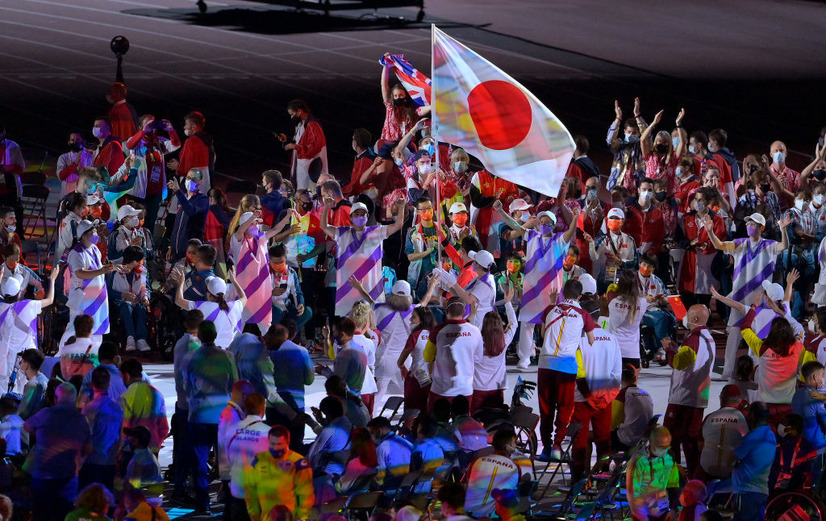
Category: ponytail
<point>222,302</point>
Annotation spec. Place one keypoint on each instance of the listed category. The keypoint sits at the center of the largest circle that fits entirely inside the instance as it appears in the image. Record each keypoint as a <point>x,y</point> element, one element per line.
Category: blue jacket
<point>814,416</point>
<point>190,221</point>
<point>756,455</point>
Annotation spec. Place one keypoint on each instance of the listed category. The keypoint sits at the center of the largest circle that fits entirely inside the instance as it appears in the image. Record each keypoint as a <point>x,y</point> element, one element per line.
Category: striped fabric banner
<point>91,298</point>
<point>253,276</point>
<point>359,257</point>
<point>752,265</point>
<point>543,272</point>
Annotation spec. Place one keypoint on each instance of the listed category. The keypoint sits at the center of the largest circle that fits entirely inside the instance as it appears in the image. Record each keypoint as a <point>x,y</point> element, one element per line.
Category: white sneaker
<point>130,343</point>
<point>143,346</point>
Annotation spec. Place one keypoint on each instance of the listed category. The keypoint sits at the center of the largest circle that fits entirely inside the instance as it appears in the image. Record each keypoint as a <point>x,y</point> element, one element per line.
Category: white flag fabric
<point>480,108</point>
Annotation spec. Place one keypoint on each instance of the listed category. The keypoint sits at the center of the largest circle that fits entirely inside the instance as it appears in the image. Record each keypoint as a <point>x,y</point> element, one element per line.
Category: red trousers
<point>432,397</point>
<point>686,427</point>
<point>482,399</point>
<point>415,396</point>
<point>369,400</point>
<point>600,419</point>
<point>556,405</point>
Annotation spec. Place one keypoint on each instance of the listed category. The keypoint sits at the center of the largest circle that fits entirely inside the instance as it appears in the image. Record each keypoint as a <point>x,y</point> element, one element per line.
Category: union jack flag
<point>416,83</point>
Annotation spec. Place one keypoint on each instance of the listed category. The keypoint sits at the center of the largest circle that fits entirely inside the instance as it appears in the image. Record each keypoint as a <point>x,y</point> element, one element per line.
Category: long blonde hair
<point>248,202</point>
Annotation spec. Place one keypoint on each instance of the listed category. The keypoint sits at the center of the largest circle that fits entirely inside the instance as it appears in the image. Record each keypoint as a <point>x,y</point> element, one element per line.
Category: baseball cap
<point>141,433</point>
<point>589,284</point>
<point>216,286</point>
<point>10,287</point>
<point>617,213</point>
<point>401,288</point>
<point>518,204</point>
<point>420,153</point>
<point>125,211</point>
<point>92,199</point>
<point>550,214</point>
<point>85,225</point>
<point>773,290</point>
<point>246,216</point>
<point>458,207</point>
<point>758,218</point>
<point>482,258</point>
<point>359,206</point>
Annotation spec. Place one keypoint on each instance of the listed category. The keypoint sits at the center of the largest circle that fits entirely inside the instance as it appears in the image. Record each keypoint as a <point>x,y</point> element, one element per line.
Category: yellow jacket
<point>270,482</point>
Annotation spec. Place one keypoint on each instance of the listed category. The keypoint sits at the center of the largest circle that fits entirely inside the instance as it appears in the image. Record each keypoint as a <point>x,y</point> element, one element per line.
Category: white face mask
<point>692,149</point>
<point>187,132</point>
<point>459,167</point>
<point>818,199</point>
<point>11,228</point>
<point>779,157</point>
<point>645,196</point>
<point>781,430</point>
<point>131,221</point>
<point>658,452</point>
<point>685,323</point>
<point>424,169</point>
<point>97,132</point>
<point>799,204</point>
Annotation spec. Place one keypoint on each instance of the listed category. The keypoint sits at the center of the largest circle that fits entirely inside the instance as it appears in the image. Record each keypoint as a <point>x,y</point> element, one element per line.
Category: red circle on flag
<point>501,113</point>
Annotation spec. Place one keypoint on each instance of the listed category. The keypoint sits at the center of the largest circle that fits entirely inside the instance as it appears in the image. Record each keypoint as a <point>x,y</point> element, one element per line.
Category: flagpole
<point>434,127</point>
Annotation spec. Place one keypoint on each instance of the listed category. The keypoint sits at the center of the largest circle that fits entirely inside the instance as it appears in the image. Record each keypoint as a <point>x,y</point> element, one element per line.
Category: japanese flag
<point>489,114</point>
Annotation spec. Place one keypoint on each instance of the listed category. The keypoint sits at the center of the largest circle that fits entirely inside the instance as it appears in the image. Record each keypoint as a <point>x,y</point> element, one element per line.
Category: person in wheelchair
<point>14,268</point>
<point>129,295</point>
<point>497,470</point>
<point>182,267</point>
<point>287,297</point>
<point>658,316</point>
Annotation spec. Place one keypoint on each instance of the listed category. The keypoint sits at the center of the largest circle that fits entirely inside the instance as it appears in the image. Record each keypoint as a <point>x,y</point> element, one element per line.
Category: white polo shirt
<point>454,347</point>
<point>564,326</point>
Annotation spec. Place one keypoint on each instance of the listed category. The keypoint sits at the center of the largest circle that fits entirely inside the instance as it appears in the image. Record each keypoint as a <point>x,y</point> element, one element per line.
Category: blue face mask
<point>546,229</point>
<point>679,171</point>
<point>676,142</point>
<point>277,454</point>
<point>430,149</point>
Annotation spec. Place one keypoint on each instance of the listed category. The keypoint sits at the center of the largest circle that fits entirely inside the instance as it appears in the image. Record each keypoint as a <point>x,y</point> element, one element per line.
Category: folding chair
<point>32,247</point>
<point>363,503</point>
<point>562,510</point>
<point>33,178</point>
<point>565,460</point>
<point>34,208</point>
<point>392,404</point>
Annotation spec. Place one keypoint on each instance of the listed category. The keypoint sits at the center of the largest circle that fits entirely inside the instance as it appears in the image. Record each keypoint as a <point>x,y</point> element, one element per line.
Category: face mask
<point>96,211</point>
<point>546,229</point>
<point>779,157</point>
<point>11,228</point>
<point>645,196</point>
<point>460,219</point>
<point>459,167</point>
<point>658,452</point>
<point>400,102</point>
<point>191,185</point>
<point>711,148</point>
<point>818,199</point>
<point>615,225</point>
<point>781,430</point>
<point>685,323</point>
<point>753,230</point>
<point>131,221</point>
<point>398,161</point>
<point>628,137</point>
<point>360,221</point>
<point>277,454</point>
<point>661,196</point>
<point>306,206</point>
<point>675,141</point>
<point>253,231</point>
<point>295,120</point>
<point>279,267</point>
<point>12,265</point>
<point>699,206</point>
<point>524,217</point>
<point>799,204</point>
<point>569,261</point>
<point>447,266</point>
<point>591,194</point>
<point>97,132</point>
<point>692,149</point>
<point>679,171</point>
<point>424,169</point>
<point>431,149</point>
<point>139,267</point>
<point>820,175</point>
<point>76,147</point>
<point>426,215</point>
<point>94,238</point>
<point>661,149</point>
<point>765,188</point>
<point>190,258</point>
<point>513,267</point>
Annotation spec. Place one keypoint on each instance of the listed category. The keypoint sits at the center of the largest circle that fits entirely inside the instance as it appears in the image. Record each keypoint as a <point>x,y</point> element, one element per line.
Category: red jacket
<point>122,120</point>
<point>653,227</point>
<point>354,187</point>
<point>692,231</point>
<point>194,154</point>
<point>110,155</point>
<point>311,142</point>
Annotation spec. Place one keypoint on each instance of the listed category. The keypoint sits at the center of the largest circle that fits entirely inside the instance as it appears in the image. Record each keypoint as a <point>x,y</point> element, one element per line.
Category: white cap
<point>547,213</point>
<point>92,199</point>
<point>246,216</point>
<point>125,211</point>
<point>773,290</point>
<point>85,225</point>
<point>216,286</point>
<point>401,288</point>
<point>482,258</point>
<point>518,204</point>
<point>616,212</point>
<point>10,287</point>
<point>758,218</point>
<point>458,207</point>
<point>589,285</point>
<point>359,206</point>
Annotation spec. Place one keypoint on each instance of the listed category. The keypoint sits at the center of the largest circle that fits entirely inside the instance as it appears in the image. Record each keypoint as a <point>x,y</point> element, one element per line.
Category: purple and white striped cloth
<point>359,254</point>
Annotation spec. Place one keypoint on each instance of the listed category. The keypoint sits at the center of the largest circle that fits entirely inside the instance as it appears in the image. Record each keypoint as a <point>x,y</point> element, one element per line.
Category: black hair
<point>207,333</point>
<point>810,368</point>
<point>278,251</point>
<point>332,407</point>
<point>107,351</point>
<point>33,357</point>
<point>460,406</point>
<point>572,289</point>
<point>132,254</point>
<point>101,378</point>
<point>132,367</point>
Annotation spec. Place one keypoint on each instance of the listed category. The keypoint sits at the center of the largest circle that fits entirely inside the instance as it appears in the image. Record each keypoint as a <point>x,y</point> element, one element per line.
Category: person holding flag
<point>359,252</point>
<point>544,254</point>
<point>401,114</point>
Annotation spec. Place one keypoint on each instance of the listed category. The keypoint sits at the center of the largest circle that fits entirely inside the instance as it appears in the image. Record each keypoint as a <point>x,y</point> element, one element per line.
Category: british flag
<point>416,83</point>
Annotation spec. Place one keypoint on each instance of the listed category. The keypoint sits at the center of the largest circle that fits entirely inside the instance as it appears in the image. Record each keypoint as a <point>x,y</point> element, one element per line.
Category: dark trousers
<point>750,506</point>
<point>686,427</point>
<point>238,509</point>
<point>484,399</point>
<point>556,405</point>
<point>90,473</point>
<point>53,498</point>
<point>295,426</point>
<point>600,420</point>
<point>182,455</point>
<point>204,436</point>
